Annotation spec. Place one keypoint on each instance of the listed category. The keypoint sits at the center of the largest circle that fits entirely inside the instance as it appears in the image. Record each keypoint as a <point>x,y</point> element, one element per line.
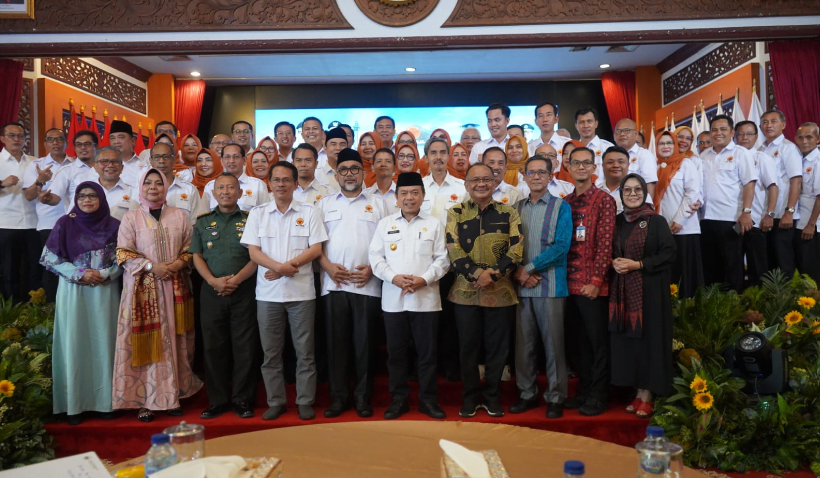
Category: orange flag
<point>104,140</point>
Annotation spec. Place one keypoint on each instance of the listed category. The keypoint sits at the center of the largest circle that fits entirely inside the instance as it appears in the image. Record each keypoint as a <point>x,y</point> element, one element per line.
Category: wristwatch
<point>747,210</point>
<point>770,214</point>
<point>790,209</point>
<point>149,267</point>
<point>39,184</point>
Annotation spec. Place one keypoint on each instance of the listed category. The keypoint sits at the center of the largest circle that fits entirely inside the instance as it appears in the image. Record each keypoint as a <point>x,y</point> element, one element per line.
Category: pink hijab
<point>143,200</point>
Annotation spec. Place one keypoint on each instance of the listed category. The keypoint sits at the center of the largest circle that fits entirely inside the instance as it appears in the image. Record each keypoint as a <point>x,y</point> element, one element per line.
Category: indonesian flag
<point>72,130</point>
<point>139,147</point>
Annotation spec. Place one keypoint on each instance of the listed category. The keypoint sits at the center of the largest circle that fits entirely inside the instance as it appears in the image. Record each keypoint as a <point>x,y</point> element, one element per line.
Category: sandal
<point>645,410</point>
<point>632,407</point>
<point>175,412</point>
<point>145,415</point>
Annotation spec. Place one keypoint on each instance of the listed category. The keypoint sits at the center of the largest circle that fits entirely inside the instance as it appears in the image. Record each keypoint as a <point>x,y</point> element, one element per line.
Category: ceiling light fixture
<point>195,74</point>
<point>605,66</point>
<point>410,69</point>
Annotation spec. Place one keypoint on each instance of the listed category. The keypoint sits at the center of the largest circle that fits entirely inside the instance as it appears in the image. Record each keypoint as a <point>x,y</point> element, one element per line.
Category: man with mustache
<point>254,191</point>
<point>178,193</point>
<point>309,190</point>
<point>285,135</point>
<point>335,141</point>
<point>498,117</point>
<point>242,134</point>
<point>218,142</point>
<point>385,127</point>
<point>469,137</point>
<point>615,166</point>
<point>641,161</point>
<point>496,159</point>
<point>384,165</point>
<point>121,197</point>
<point>586,123</point>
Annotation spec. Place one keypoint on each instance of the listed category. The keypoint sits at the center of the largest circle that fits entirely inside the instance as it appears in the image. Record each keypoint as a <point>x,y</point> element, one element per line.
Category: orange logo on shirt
<point>126,198</point>
<point>561,195</point>
<point>776,153</point>
<point>318,197</point>
<point>808,170</point>
<point>504,200</point>
<point>560,151</point>
<point>249,192</point>
<point>598,153</point>
<point>454,197</point>
<point>300,222</point>
<point>183,196</point>
<point>368,208</point>
<point>634,159</point>
<point>730,158</point>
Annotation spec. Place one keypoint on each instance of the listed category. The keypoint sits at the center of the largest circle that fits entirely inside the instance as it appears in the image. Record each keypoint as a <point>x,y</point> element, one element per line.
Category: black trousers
<point>589,319</point>
<point>50,279</point>
<point>491,327</point>
<point>447,331</point>
<point>808,255</point>
<point>722,250</point>
<point>422,328</point>
<point>21,250</point>
<point>757,259</point>
<point>230,335</point>
<point>349,323</point>
<point>780,249</point>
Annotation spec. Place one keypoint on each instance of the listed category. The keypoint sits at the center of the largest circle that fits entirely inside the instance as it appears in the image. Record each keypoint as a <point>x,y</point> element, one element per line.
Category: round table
<point>410,449</point>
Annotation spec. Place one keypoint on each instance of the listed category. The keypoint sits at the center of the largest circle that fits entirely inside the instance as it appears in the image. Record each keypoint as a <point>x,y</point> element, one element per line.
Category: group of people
<point>472,255</point>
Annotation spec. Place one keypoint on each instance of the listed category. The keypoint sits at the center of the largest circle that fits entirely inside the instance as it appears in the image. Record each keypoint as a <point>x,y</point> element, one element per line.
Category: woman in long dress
<point>155,334</point>
<point>81,250</point>
<point>640,304</point>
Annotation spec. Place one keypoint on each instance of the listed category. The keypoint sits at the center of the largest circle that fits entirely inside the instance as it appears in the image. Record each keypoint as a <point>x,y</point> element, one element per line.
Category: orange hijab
<point>511,176</point>
<point>186,164</point>
<point>420,166</point>
<point>249,165</point>
<point>451,165</point>
<point>446,136</point>
<point>272,159</point>
<point>688,153</point>
<point>563,174</point>
<point>666,168</point>
<point>199,180</point>
<point>367,164</point>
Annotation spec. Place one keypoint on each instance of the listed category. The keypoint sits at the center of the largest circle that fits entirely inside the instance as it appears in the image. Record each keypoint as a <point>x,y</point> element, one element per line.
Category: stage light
<point>605,66</point>
<point>763,367</point>
<point>410,69</point>
<point>195,73</point>
<point>753,354</point>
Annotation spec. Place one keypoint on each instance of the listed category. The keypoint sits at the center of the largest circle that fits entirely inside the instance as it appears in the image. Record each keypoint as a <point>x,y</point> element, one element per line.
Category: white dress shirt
<point>599,147</point>
<point>321,158</point>
<point>788,164</point>
<point>522,186</point>
<point>438,199</point>
<point>508,194</point>
<point>46,215</point>
<point>484,145</point>
<point>132,169</point>
<point>390,198</point>
<point>254,193</point>
<point>767,176</point>
<point>327,176</point>
<point>560,188</point>
<point>65,182</point>
<point>416,247</point>
<point>811,189</point>
<point>642,162</point>
<point>684,189</point>
<point>185,196</point>
<point>121,198</point>
<point>17,212</point>
<point>350,225</point>
<point>282,237</point>
<point>724,176</point>
<point>313,193</point>
<point>187,175</point>
<point>556,141</point>
<point>616,194</point>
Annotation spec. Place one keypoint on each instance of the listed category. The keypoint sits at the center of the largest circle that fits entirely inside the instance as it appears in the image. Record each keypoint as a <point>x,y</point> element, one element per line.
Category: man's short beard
<point>351,188</point>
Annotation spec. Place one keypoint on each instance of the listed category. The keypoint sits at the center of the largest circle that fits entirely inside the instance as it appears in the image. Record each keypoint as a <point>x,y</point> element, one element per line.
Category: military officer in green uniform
<point>227,302</point>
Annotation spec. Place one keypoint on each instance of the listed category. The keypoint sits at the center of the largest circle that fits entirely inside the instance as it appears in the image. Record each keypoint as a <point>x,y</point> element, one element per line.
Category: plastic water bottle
<point>161,455</point>
<point>573,469</point>
<point>658,457</point>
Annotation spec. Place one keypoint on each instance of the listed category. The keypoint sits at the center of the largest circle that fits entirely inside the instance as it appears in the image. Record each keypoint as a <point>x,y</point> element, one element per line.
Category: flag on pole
<point>672,126</point>
<point>696,131</point>
<point>737,113</point>
<point>104,141</point>
<point>81,123</point>
<point>150,135</point>
<point>72,130</point>
<point>704,120</point>
<point>139,145</point>
<point>651,146</point>
<point>720,105</point>
<point>93,125</point>
<point>755,111</point>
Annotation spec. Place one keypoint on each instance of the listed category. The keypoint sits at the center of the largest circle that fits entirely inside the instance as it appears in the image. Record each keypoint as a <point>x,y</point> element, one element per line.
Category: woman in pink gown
<point>155,334</point>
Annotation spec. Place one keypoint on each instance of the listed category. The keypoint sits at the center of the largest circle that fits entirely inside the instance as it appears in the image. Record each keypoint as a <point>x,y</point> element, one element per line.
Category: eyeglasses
<point>92,196</point>
<point>283,134</point>
<point>624,131</point>
<point>219,143</point>
<point>477,181</point>
<point>242,131</point>
<point>631,191</point>
<point>55,139</point>
<point>16,135</point>
<point>112,162</point>
<point>354,170</point>
<point>267,149</point>
<point>406,156</point>
<point>169,132</point>
<point>85,144</point>
<point>281,180</point>
<point>164,157</point>
<point>548,155</point>
<point>234,156</point>
<point>585,164</point>
<point>540,172</point>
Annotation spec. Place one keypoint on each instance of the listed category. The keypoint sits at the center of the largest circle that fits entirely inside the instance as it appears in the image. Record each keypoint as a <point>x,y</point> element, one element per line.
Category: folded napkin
<point>472,462</point>
<point>210,467</point>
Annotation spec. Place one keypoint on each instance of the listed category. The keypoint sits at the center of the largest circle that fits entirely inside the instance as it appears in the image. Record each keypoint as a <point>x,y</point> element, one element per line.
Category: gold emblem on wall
<point>396,13</point>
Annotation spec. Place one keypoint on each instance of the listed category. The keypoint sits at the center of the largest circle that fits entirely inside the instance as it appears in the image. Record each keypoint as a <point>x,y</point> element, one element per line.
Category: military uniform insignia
<point>209,245</point>
<point>213,223</point>
<point>393,247</point>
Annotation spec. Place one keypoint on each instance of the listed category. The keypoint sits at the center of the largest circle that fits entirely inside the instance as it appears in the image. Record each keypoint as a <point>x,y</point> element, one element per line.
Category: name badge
<point>581,233</point>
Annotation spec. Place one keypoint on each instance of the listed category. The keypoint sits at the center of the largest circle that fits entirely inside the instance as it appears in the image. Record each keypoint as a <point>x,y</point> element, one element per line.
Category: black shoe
<point>175,412</point>
<point>109,415</point>
<point>555,410</point>
<point>494,409</point>
<point>575,402</point>
<point>243,410</point>
<point>335,409</point>
<point>74,419</point>
<point>214,411</point>
<point>273,412</point>
<point>396,409</point>
<point>432,410</point>
<point>592,407</point>
<point>522,405</point>
<point>364,410</point>
<point>468,410</point>
<point>306,412</point>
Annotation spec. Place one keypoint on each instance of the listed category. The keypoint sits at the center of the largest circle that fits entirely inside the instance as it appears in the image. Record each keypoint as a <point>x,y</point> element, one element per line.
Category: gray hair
<point>161,144</point>
<point>813,126</point>
<point>107,148</point>
<point>431,141</point>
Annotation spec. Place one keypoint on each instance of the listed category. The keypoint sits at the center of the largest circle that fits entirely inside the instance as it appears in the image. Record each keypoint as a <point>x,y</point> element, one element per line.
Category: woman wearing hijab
<point>563,172</point>
<point>189,146</point>
<point>679,185</point>
<point>155,334</point>
<point>516,150</point>
<point>268,145</point>
<point>640,303</point>
<point>441,133</point>
<point>257,165</point>
<point>406,137</point>
<point>208,168</point>
<point>408,160</point>
<point>459,161</point>
<point>369,143</point>
<point>81,251</point>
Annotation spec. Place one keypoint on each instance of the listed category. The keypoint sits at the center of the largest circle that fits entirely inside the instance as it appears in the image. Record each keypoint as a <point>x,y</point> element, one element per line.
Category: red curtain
<point>11,89</point>
<point>188,97</point>
<point>619,93</point>
<point>796,78</point>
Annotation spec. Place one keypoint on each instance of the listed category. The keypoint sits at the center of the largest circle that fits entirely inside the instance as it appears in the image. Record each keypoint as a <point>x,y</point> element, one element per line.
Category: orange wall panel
<point>647,95</point>
<point>161,97</point>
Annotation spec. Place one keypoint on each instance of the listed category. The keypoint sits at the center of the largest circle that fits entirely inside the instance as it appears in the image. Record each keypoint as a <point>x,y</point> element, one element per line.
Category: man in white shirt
<point>557,187</point>
<point>385,127</point>
<point>242,134</point>
<point>729,178</point>
<point>498,117</point>
<point>179,194</point>
<point>409,254</point>
<point>38,176</point>
<point>218,142</point>
<point>503,192</point>
<point>285,134</point>
<point>254,191</point>
<point>19,240</point>
<point>163,127</point>
<point>789,171</point>
<point>704,142</point>
<point>314,135</point>
<point>615,167</point>
<point>546,117</point>
<point>469,138</point>
<point>335,141</point>
<point>764,204</point>
<point>121,197</point>
<point>808,244</point>
<point>586,123</point>
<point>350,293</point>
<point>641,161</point>
<point>308,190</point>
<point>351,139</point>
<point>384,164</point>
<point>284,237</point>
<point>122,138</point>
<point>61,191</point>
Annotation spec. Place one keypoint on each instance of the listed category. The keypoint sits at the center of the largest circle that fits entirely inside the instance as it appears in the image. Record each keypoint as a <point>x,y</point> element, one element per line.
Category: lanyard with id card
<point>581,231</point>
